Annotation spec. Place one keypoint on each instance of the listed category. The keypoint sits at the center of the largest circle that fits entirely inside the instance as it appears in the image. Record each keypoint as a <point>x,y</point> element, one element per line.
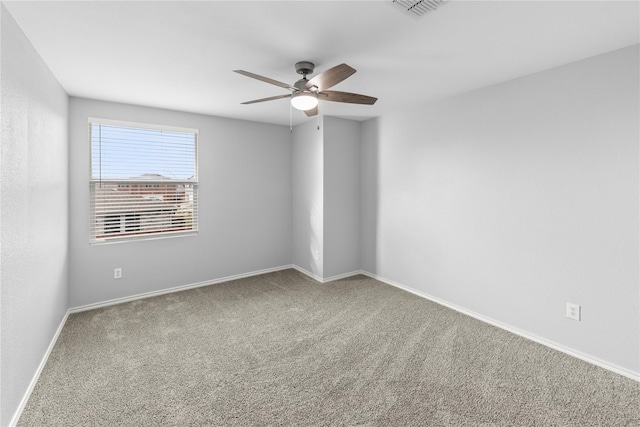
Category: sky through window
<point>126,153</point>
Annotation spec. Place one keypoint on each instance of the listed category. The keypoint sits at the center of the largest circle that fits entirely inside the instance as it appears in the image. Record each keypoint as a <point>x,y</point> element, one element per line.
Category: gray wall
<point>369,207</point>
<point>508,202</point>
<point>34,254</point>
<point>326,200</point>
<point>308,201</point>
<point>341,196</point>
<point>513,200</point>
<point>244,213</point>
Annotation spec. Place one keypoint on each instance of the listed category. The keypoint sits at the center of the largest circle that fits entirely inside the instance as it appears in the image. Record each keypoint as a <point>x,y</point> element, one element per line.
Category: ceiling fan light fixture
<point>304,101</point>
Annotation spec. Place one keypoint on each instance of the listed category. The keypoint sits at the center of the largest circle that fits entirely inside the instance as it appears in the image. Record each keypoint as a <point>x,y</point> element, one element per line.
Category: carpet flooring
<point>283,350</point>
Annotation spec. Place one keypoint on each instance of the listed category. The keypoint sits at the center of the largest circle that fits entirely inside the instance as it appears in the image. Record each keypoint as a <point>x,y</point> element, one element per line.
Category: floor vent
<point>419,7</point>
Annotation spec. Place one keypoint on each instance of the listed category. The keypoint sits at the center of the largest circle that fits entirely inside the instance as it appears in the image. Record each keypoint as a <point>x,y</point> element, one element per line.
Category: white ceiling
<point>180,55</point>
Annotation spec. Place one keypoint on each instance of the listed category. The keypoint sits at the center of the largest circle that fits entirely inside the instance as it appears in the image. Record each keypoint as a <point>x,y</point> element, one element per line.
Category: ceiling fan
<point>305,94</point>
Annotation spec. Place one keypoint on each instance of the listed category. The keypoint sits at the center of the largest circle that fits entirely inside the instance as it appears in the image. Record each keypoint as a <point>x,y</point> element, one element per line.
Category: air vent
<point>419,7</point>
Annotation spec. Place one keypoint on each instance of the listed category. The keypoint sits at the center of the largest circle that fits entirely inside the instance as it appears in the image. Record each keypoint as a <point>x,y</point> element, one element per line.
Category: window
<point>111,224</point>
<point>144,181</point>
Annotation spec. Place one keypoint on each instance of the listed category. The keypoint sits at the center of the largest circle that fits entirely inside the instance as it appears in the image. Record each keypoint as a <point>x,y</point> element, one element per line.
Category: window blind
<point>144,181</point>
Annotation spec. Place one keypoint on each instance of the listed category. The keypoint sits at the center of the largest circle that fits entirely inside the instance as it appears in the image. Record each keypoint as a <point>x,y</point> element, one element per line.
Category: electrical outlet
<point>573,311</point>
<point>315,255</point>
<point>117,273</point>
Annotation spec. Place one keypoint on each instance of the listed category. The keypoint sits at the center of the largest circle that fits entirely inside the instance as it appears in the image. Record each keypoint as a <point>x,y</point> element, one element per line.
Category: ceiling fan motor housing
<point>304,67</point>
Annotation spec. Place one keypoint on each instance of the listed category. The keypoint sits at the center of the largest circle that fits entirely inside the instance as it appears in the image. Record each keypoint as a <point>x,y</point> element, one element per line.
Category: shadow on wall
<point>369,195</point>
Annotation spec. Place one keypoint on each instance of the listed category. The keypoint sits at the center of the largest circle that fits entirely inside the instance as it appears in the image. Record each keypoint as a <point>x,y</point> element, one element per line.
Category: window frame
<point>124,218</point>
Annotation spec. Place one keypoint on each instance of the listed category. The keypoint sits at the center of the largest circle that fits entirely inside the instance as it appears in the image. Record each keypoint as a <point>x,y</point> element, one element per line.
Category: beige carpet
<point>283,350</point>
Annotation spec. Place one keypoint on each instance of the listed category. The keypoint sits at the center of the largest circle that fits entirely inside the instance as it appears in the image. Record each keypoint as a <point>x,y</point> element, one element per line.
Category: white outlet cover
<point>573,311</point>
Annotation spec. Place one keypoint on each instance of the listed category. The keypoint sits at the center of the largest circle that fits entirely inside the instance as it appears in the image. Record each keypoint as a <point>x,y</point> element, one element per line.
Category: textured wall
<point>244,211</point>
<point>513,200</point>
<point>33,212</point>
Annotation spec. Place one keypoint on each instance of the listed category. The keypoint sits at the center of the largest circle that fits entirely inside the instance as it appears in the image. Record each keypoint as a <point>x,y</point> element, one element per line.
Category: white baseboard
<point>585,357</point>
<point>342,276</point>
<point>327,279</point>
<point>175,289</point>
<point>307,273</point>
<point>36,375</point>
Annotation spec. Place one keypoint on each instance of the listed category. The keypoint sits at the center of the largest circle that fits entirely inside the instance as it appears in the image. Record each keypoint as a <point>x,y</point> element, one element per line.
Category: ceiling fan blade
<point>351,98</point>
<point>330,77</point>
<point>271,98</point>
<point>312,112</point>
<point>265,79</point>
